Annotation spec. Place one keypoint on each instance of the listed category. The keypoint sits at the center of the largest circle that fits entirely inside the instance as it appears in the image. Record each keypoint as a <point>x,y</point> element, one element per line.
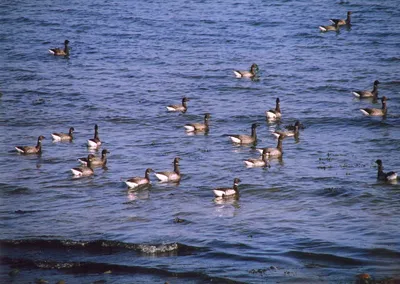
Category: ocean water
<point>318,215</point>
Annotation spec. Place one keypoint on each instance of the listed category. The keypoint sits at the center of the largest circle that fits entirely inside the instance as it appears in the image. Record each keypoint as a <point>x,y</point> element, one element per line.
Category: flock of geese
<point>91,161</point>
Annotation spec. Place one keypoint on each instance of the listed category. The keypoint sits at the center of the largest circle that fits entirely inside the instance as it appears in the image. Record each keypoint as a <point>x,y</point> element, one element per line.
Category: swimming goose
<point>60,52</point>
<point>84,170</point>
<point>96,161</point>
<point>273,114</point>
<point>182,108</point>
<point>174,176</point>
<point>63,136</point>
<point>193,127</point>
<point>288,133</point>
<point>385,176</point>
<point>368,94</point>
<point>376,111</point>
<point>247,74</point>
<point>334,27</point>
<point>245,139</point>
<point>139,181</point>
<point>95,142</point>
<point>228,192</point>
<point>274,152</point>
<point>343,22</point>
<point>31,149</point>
<point>262,162</point>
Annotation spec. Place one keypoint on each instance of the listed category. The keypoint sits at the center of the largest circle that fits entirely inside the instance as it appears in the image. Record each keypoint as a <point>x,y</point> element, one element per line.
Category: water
<point>319,215</point>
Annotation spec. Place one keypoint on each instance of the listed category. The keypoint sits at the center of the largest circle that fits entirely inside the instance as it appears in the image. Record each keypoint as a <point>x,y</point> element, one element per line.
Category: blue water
<point>317,215</point>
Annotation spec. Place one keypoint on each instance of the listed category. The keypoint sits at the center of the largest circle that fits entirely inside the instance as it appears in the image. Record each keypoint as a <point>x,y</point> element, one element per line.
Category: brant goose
<point>343,22</point>
<point>390,176</point>
<point>274,152</point>
<point>182,108</point>
<point>84,170</point>
<point>31,149</point>
<point>334,27</point>
<point>174,176</point>
<point>60,52</point>
<point>273,114</point>
<point>96,161</point>
<point>367,93</point>
<point>262,162</point>
<point>288,133</point>
<point>228,192</point>
<point>376,111</point>
<point>95,142</point>
<point>193,127</point>
<point>245,73</point>
<point>139,181</point>
<point>63,136</point>
<point>245,139</point>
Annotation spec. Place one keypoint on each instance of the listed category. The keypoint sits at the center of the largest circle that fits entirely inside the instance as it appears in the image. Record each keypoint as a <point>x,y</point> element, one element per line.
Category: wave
<point>102,246</point>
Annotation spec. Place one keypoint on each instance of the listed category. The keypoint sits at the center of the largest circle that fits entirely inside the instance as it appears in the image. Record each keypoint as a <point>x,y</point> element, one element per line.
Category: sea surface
<point>318,215</point>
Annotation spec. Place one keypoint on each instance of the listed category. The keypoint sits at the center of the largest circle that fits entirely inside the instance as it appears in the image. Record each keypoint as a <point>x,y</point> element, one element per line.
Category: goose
<point>31,149</point>
<point>274,152</point>
<point>288,133</point>
<point>343,22</point>
<point>194,127</point>
<point>262,162</point>
<point>63,136</point>
<point>367,93</point>
<point>139,181</point>
<point>95,142</point>
<point>167,176</point>
<point>376,111</point>
<point>182,108</point>
<point>84,171</point>
<point>390,176</point>
<point>228,192</point>
<point>96,161</point>
<point>245,139</point>
<point>247,74</point>
<point>334,27</point>
<point>273,114</point>
<point>60,52</point>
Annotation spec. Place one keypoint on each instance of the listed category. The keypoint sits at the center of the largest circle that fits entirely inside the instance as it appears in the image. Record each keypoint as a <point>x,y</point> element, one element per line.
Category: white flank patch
<point>235,140</point>
<point>237,74</point>
<point>131,184</point>
<point>82,162</point>
<point>52,52</point>
<point>364,112</point>
<point>249,164</point>
<point>19,150</point>
<point>322,28</point>
<point>270,115</point>
<point>171,108</point>
<point>161,177</point>
<point>56,137</point>
<point>392,176</point>
<point>218,193</point>
<point>76,172</point>
<point>92,143</point>
<point>356,94</point>
<point>189,128</point>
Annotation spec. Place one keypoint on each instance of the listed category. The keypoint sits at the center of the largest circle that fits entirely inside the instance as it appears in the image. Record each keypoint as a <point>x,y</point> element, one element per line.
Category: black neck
<point>279,146</point>
<point>375,90</point>
<point>253,133</point>
<point>176,168</point>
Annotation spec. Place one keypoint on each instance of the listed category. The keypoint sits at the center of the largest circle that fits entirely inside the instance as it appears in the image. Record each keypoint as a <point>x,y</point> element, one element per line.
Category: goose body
<point>31,149</point>
<point>274,152</point>
<point>367,93</point>
<point>245,139</point>
<point>139,181</point>
<point>59,51</point>
<point>343,22</point>
<point>333,28</point>
<point>96,161</point>
<point>181,108</point>
<point>199,127</point>
<point>247,74</point>
<point>262,162</point>
<point>228,192</point>
<point>376,111</point>
<point>273,114</point>
<point>168,176</point>
<point>95,142</point>
<point>84,170</point>
<point>63,136</point>
<point>288,133</point>
<point>390,176</point>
